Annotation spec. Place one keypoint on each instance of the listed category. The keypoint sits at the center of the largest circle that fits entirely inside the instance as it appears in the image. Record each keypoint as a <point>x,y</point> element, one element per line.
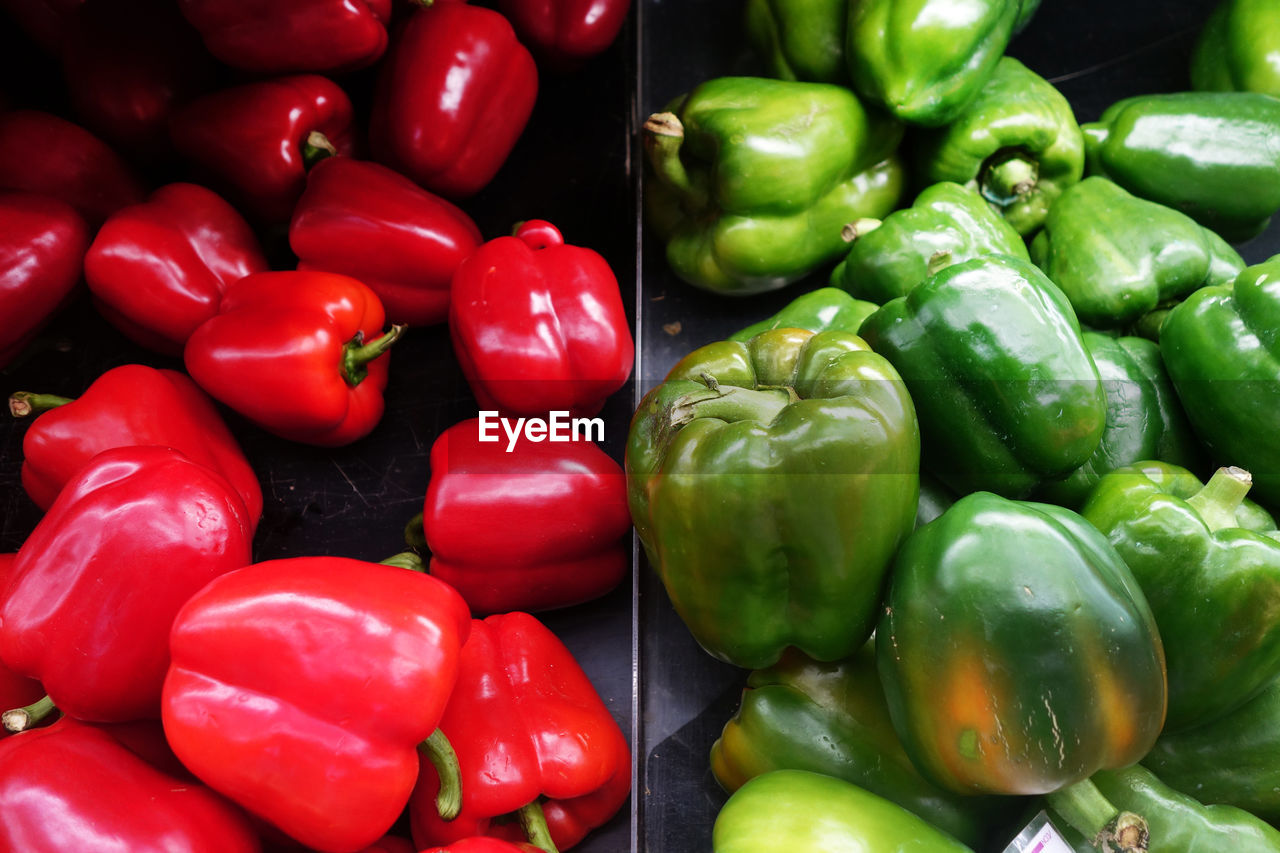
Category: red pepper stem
<point>535,827</point>
<point>415,534</point>
<point>357,354</point>
<point>1084,807</point>
<point>406,560</point>
<point>21,719</point>
<point>23,404</point>
<point>316,147</point>
<point>440,753</point>
<point>1218,501</point>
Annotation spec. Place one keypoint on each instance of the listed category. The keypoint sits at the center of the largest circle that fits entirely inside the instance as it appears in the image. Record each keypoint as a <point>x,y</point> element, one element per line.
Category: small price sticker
<point>1040,836</point>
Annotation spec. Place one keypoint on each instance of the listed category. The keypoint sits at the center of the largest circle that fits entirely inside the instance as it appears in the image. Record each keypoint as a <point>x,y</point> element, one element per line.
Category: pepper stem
<point>535,827</point>
<point>415,534</point>
<point>1005,179</point>
<point>406,560</point>
<point>356,355</point>
<point>21,719</point>
<point>1218,501</point>
<point>939,261</point>
<point>857,228</point>
<point>316,147</point>
<point>1084,807</point>
<point>663,138</point>
<point>731,403</point>
<point>23,404</point>
<point>440,753</point>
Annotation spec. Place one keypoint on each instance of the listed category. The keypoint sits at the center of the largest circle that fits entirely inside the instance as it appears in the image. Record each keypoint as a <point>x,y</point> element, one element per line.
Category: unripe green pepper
<point>799,39</point>
<point>827,308</point>
<point>1239,48</point>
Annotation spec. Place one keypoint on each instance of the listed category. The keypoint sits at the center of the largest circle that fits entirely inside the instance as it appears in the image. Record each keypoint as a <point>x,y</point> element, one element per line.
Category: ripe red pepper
<point>42,246</point>
<point>276,36</point>
<point>301,354</point>
<point>530,731</point>
<point>258,139</point>
<point>539,527</point>
<point>128,405</point>
<point>72,787</point>
<point>158,269</point>
<point>565,33</point>
<point>43,21</point>
<point>485,844</point>
<point>453,95</point>
<point>95,587</point>
<point>366,221</point>
<point>302,688</point>
<point>538,325</point>
<point>16,690</point>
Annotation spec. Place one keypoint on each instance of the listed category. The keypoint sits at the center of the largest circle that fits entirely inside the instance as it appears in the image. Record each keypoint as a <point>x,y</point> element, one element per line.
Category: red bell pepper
<point>16,690</point>
<point>71,788</point>
<point>158,269</point>
<point>539,527</point>
<point>276,36</point>
<point>95,587</point>
<point>454,94</point>
<point>565,33</point>
<point>485,844</point>
<point>529,731</point>
<point>127,406</point>
<point>366,221</point>
<point>41,153</point>
<point>258,139</point>
<point>42,246</point>
<point>538,325</point>
<point>303,688</point>
<point>302,354</point>
<point>43,21</point>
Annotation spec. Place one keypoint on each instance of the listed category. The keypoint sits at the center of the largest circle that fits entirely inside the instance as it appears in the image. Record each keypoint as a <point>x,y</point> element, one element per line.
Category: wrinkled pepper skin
<point>751,180</point>
<point>1016,143</point>
<point>770,483</point>
<point>988,659</point>
<point>563,34</point>
<point>827,308</point>
<point>831,718</point>
<point>363,220</point>
<point>274,665</point>
<point>948,224</point>
<point>1119,257</point>
<point>89,602</point>
<point>530,527</point>
<point>992,355</point>
<point>1212,584</point>
<point>799,39</point>
<point>1239,49</point>
<point>1224,171</point>
<point>158,269</point>
<point>803,812</point>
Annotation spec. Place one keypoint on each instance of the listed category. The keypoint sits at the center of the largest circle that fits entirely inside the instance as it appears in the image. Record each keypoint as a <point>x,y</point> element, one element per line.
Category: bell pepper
<point>934,500</point>
<point>72,787</point>
<point>158,269</point>
<point>799,39</point>
<point>302,688</point>
<point>1239,49</point>
<point>484,844</point>
<point>42,246</point>
<point>45,22</point>
<point>532,737</point>
<point>524,526</point>
<point>258,139</point>
<point>831,718</point>
<point>992,355</point>
<point>815,311</point>
<point>42,153</point>
<point>274,36</point>
<point>453,96</point>
<point>301,354</point>
<point>948,224</point>
<point>1006,674</point>
<point>751,180</point>
<point>1224,170</point>
<point>1017,143</point>
<point>16,691</point>
<point>96,585</point>
<point>126,406</point>
<point>1221,351</point>
<point>755,551</point>
<point>563,34</point>
<point>366,221</point>
<point>803,812</point>
<point>538,325</point>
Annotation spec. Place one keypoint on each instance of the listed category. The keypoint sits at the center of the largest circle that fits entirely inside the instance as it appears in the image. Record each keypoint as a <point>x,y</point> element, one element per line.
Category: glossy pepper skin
<point>992,355</point>
<point>538,324</point>
<point>484,844</point>
<point>528,728</point>
<point>947,224</point>
<point>88,604</point>
<point>1017,143</point>
<point>1225,170</point>
<point>158,269</point>
<point>16,691</point>
<point>452,98</point>
<point>363,220</point>
<point>563,34</point>
<point>302,354</point>
<point>804,812</point>
<point>257,139</point>
<point>815,311</point>
<point>799,39</point>
<point>751,180</point>
<point>274,665</point>
<point>1239,49</point>
<point>530,526</point>
<point>755,551</point>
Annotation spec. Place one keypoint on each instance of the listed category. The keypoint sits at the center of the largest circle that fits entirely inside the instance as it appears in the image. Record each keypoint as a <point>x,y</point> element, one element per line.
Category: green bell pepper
<point>934,500</point>
<point>817,311</point>
<point>947,224</point>
<point>751,180</point>
<point>799,39</point>
<point>1006,393</point>
<point>1239,49</point>
<point>770,483</point>
<point>1017,144</point>
<point>1213,155</point>
<point>802,812</point>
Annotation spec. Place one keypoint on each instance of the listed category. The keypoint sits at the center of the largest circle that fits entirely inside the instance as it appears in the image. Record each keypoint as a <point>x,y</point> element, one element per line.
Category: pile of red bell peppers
<point>262,199</point>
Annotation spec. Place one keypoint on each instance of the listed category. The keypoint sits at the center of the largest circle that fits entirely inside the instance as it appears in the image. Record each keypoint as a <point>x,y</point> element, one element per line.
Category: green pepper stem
<point>356,355</point>
<point>23,404</point>
<point>731,403</point>
<point>440,753</point>
<point>535,827</point>
<point>1084,807</point>
<point>939,261</point>
<point>663,138</point>
<point>316,147</point>
<point>858,228</point>
<point>21,719</point>
<point>1218,501</point>
<point>415,534</point>
<point>406,560</point>
<point>1006,180</point>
